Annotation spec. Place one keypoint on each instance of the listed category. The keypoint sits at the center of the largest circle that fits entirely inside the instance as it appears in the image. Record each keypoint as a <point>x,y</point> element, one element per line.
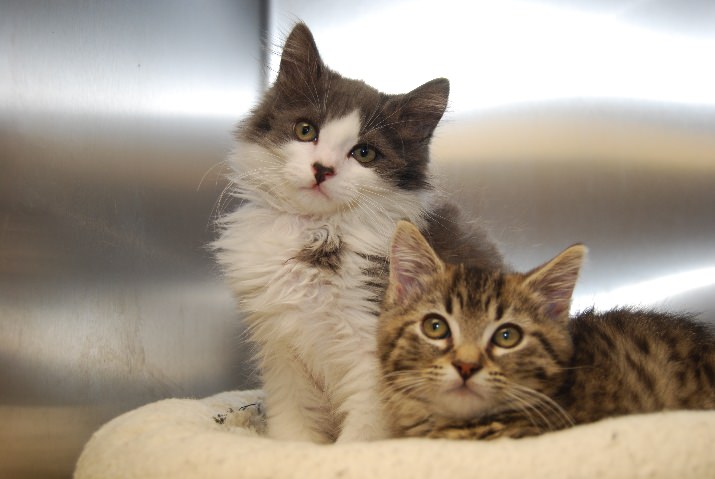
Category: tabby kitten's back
<point>467,353</point>
<point>635,361</point>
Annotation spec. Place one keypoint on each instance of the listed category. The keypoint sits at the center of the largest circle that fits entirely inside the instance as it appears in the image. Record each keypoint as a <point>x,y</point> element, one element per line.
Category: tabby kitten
<point>471,353</point>
<point>324,167</point>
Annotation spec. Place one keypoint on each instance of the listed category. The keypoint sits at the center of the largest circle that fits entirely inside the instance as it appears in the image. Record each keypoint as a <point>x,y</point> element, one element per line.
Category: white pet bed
<point>214,438</point>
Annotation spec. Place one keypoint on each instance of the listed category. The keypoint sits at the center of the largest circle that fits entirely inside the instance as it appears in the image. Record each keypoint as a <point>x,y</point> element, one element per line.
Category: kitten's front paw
<point>483,431</point>
<point>251,416</point>
<point>363,423</point>
<point>365,433</point>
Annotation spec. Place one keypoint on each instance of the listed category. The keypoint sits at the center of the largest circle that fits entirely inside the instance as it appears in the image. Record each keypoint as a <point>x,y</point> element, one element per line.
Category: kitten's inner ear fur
<point>413,264</point>
<point>300,62</point>
<point>556,280</point>
<point>420,110</point>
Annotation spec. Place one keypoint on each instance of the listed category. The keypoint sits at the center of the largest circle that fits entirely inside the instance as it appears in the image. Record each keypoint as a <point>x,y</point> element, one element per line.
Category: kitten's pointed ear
<point>413,263</point>
<point>300,60</point>
<point>556,280</point>
<point>420,110</point>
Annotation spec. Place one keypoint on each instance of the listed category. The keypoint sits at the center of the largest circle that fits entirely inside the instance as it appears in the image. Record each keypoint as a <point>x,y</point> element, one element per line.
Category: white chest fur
<point>289,297</point>
<point>309,320</point>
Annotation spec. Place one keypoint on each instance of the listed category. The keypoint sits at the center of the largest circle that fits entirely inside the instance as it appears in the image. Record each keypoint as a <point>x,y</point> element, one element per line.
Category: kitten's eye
<point>507,336</point>
<point>304,131</point>
<point>435,326</point>
<point>363,153</point>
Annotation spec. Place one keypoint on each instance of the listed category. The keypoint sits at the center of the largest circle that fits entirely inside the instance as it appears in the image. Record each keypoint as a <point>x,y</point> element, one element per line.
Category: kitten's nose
<point>321,172</point>
<point>466,370</point>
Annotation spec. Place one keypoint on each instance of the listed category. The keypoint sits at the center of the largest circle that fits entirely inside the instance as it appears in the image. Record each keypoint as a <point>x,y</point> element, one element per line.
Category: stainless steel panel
<point>115,118</point>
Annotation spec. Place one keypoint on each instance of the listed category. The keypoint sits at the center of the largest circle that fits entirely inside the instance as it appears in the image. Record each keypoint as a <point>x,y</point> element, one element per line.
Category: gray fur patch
<point>377,272</point>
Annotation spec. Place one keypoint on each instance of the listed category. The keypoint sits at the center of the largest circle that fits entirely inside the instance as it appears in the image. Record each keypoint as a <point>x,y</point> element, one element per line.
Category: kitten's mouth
<point>317,190</point>
<point>465,392</point>
<point>316,199</point>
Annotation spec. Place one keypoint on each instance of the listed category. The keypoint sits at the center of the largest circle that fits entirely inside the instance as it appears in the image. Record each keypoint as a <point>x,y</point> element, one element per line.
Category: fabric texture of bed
<point>221,437</point>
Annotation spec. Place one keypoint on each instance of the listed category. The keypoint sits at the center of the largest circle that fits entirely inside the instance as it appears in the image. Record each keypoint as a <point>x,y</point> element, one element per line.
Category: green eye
<point>363,153</point>
<point>507,336</point>
<point>435,326</point>
<point>304,131</point>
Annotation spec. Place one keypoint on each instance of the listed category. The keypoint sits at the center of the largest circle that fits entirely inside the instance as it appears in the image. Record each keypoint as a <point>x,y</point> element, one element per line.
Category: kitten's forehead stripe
<point>487,301</point>
<point>460,298</point>
<point>499,311</point>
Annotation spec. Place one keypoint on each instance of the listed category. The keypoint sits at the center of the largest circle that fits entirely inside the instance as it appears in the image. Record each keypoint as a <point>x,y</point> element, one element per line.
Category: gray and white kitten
<point>325,166</point>
<point>472,353</point>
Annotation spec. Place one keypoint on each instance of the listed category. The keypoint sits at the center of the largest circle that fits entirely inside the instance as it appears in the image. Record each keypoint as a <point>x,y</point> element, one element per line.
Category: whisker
<point>557,412</point>
<point>410,386</point>
<point>211,168</point>
<point>221,202</point>
<point>527,407</point>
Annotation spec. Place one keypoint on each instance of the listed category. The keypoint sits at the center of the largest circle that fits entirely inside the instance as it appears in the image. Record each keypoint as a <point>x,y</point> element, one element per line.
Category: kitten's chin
<point>461,403</point>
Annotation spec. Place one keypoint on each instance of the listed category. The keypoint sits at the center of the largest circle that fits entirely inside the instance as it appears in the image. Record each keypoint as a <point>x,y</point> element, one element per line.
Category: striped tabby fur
<point>468,353</point>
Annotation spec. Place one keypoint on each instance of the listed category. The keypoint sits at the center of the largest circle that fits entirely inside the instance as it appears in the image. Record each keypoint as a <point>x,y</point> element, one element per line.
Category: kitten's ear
<point>556,280</point>
<point>300,61</point>
<point>413,263</point>
<point>420,110</point>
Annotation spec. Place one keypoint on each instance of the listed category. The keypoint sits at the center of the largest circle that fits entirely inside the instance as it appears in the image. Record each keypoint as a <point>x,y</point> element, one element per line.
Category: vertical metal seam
<point>264,18</point>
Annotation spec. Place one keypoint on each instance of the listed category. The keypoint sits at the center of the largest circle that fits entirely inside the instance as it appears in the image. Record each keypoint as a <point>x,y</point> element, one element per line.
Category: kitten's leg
<point>363,419</point>
<point>295,409</point>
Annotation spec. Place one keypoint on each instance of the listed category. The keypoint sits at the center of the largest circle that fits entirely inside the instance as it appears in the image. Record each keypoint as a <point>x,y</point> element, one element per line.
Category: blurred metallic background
<point>589,121</point>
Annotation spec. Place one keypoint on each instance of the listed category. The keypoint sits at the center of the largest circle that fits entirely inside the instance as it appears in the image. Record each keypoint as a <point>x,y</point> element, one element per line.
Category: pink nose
<point>321,172</point>
<point>466,370</point>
